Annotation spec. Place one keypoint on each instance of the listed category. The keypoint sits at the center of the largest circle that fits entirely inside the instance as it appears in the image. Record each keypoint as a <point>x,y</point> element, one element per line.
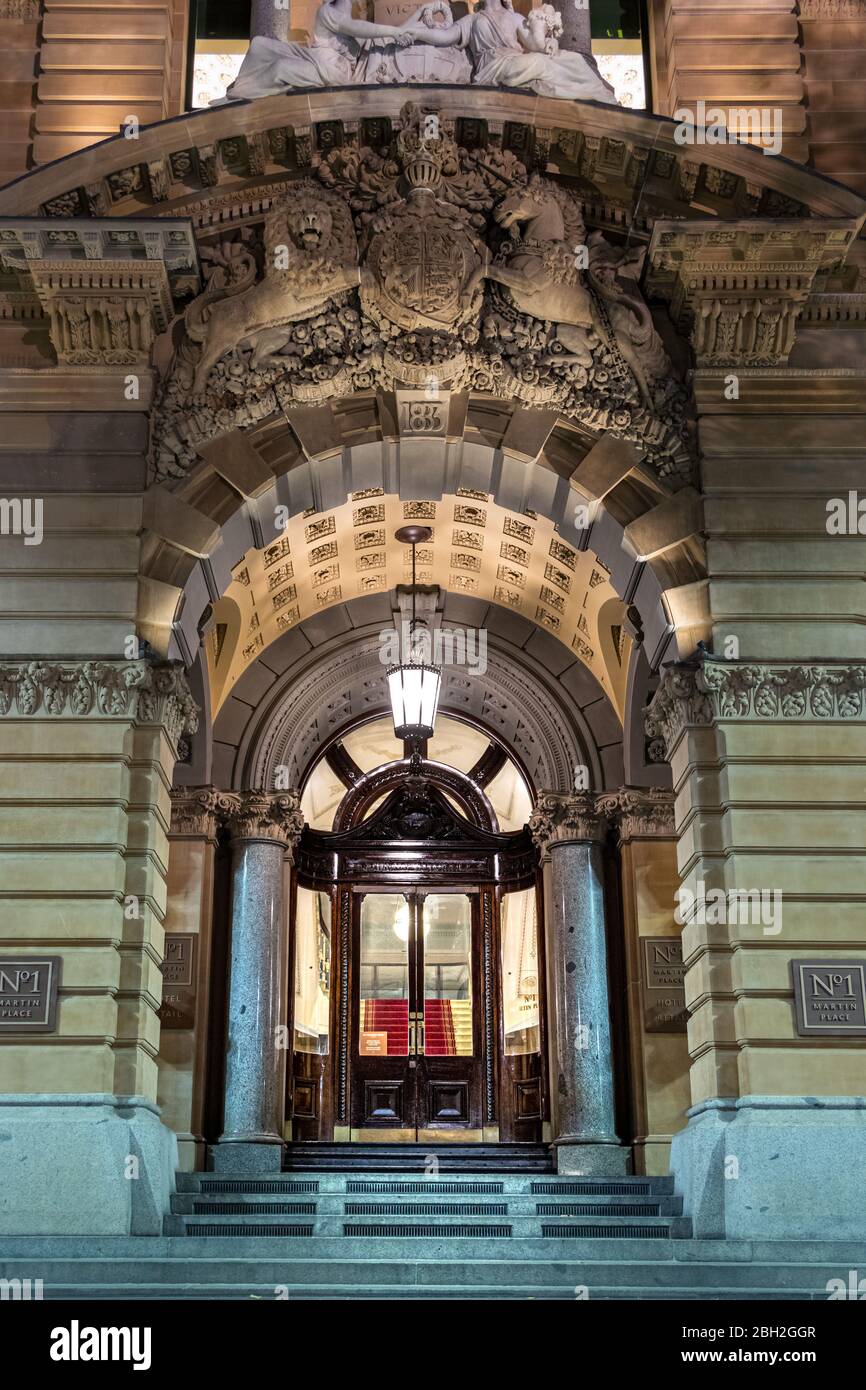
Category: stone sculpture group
<point>493,46</point>
<point>418,262</point>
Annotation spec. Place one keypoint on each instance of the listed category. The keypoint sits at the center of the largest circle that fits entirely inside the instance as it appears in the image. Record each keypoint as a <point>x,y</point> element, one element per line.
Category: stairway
<point>416,1158</point>
<point>354,1235</point>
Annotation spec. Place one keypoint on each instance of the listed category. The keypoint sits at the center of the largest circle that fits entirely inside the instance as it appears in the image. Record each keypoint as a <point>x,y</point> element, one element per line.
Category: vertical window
<point>312,971</point>
<point>221,30</point>
<point>618,39</point>
<point>519,938</point>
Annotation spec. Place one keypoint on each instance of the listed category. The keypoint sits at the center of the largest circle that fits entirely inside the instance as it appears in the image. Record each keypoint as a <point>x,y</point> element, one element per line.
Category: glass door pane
<point>312,971</point>
<point>447,924</point>
<point>386,934</point>
<point>518,932</point>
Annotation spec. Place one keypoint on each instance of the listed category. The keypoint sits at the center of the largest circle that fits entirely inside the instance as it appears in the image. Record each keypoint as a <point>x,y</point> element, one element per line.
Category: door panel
<point>449,1082</point>
<point>383,1088</point>
<point>416,1033</point>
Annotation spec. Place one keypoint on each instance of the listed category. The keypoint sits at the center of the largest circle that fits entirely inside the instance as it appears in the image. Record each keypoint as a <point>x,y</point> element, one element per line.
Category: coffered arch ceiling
<point>478,549</point>
<point>571,526</point>
<point>325,677</point>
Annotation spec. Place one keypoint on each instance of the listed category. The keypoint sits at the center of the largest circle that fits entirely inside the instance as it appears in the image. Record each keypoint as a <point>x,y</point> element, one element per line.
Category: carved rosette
<point>258,815</point>
<point>147,692</point>
<point>704,691</point>
<point>640,813</point>
<point>195,813</point>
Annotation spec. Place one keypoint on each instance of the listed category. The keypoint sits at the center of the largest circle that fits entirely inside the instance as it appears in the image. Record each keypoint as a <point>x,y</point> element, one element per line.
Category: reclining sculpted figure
<point>508,50</point>
<point>505,49</point>
<point>271,66</point>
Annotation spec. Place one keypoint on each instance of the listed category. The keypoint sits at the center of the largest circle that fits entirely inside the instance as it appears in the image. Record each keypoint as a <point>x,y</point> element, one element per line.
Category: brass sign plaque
<point>177,1011</point>
<point>663,985</point>
<point>28,993</point>
<point>830,998</point>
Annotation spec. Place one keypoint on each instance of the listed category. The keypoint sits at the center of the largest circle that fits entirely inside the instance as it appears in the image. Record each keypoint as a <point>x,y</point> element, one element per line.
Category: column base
<point>246,1158</point>
<point>773,1168</point>
<point>84,1165</point>
<point>591,1160</point>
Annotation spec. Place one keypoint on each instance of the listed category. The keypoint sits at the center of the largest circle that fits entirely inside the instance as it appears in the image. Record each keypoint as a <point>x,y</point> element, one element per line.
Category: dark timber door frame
<point>417,842</point>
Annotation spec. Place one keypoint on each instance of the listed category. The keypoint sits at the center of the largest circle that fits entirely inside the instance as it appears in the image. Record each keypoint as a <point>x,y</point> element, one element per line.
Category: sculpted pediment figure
<point>493,46</point>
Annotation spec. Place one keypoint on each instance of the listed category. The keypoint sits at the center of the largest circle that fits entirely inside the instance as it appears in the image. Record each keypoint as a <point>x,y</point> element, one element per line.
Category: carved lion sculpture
<point>311,256</point>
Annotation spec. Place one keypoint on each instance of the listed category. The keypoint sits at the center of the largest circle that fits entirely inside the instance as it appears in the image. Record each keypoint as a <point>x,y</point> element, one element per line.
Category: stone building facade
<point>239,347</point>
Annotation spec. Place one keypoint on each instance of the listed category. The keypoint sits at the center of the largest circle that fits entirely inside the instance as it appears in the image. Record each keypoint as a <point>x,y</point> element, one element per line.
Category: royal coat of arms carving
<point>421,260</point>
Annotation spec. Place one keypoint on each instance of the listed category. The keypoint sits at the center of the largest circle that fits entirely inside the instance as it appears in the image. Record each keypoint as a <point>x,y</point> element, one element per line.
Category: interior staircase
<point>352,1235</point>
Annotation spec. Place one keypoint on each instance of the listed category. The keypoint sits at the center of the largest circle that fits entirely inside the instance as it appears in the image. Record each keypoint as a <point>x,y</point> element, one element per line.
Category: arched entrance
<point>417,999</point>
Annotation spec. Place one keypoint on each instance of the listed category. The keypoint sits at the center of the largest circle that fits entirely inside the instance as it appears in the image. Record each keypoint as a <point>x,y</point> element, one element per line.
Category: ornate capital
<point>739,291</point>
<point>144,691</point>
<point>677,704</point>
<point>195,812</point>
<point>703,691</point>
<point>640,813</point>
<point>258,815</point>
<point>560,816</point>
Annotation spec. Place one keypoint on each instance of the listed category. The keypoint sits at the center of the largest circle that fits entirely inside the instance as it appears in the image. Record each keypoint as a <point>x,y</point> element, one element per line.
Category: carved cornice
<point>640,813</point>
<point>701,692</point>
<point>106,288</point>
<point>236,147</point>
<point>257,815</point>
<point>739,290</point>
<point>195,812</point>
<point>142,691</point>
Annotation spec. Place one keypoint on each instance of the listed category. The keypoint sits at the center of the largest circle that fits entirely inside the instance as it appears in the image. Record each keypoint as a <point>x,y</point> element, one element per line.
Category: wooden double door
<point>417,1016</point>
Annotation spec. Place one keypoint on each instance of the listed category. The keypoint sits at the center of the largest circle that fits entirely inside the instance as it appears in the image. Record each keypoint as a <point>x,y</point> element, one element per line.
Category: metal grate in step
<point>369,1187</point>
<point>258,1185</point>
<point>254,1208</point>
<point>384,1228</point>
<point>591,1232</point>
<point>426,1209</point>
<point>596,1209</point>
<point>590,1189</point>
<point>216,1228</point>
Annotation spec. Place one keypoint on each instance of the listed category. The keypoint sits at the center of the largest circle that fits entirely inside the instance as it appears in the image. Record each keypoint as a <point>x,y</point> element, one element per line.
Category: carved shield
<point>419,265</point>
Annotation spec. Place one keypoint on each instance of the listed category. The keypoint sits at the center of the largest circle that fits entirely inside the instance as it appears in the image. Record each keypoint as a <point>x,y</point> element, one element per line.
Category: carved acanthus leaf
<point>704,691</point>
<point>143,691</point>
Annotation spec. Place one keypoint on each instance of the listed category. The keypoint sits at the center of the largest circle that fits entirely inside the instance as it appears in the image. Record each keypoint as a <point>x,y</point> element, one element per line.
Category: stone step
<point>407,1158</point>
<point>545,1186</point>
<point>138,1250</point>
<point>417,1204</point>
<point>388,1292</point>
<point>439,1225</point>
<point>625,1267</point>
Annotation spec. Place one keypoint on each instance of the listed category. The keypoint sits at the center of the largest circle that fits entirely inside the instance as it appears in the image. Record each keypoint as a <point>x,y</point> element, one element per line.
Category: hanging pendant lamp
<point>413,685</point>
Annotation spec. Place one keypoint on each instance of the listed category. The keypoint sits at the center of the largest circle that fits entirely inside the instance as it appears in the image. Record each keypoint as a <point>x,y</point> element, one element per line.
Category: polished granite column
<point>263,828</point>
<point>269,20</point>
<point>572,832</point>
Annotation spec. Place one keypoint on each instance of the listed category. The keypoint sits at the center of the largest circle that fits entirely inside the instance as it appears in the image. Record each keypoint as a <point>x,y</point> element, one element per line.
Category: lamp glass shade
<point>414,691</point>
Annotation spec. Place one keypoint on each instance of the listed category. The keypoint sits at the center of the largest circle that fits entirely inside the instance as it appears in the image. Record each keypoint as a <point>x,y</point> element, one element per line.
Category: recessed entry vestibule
<point>417,973</point>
